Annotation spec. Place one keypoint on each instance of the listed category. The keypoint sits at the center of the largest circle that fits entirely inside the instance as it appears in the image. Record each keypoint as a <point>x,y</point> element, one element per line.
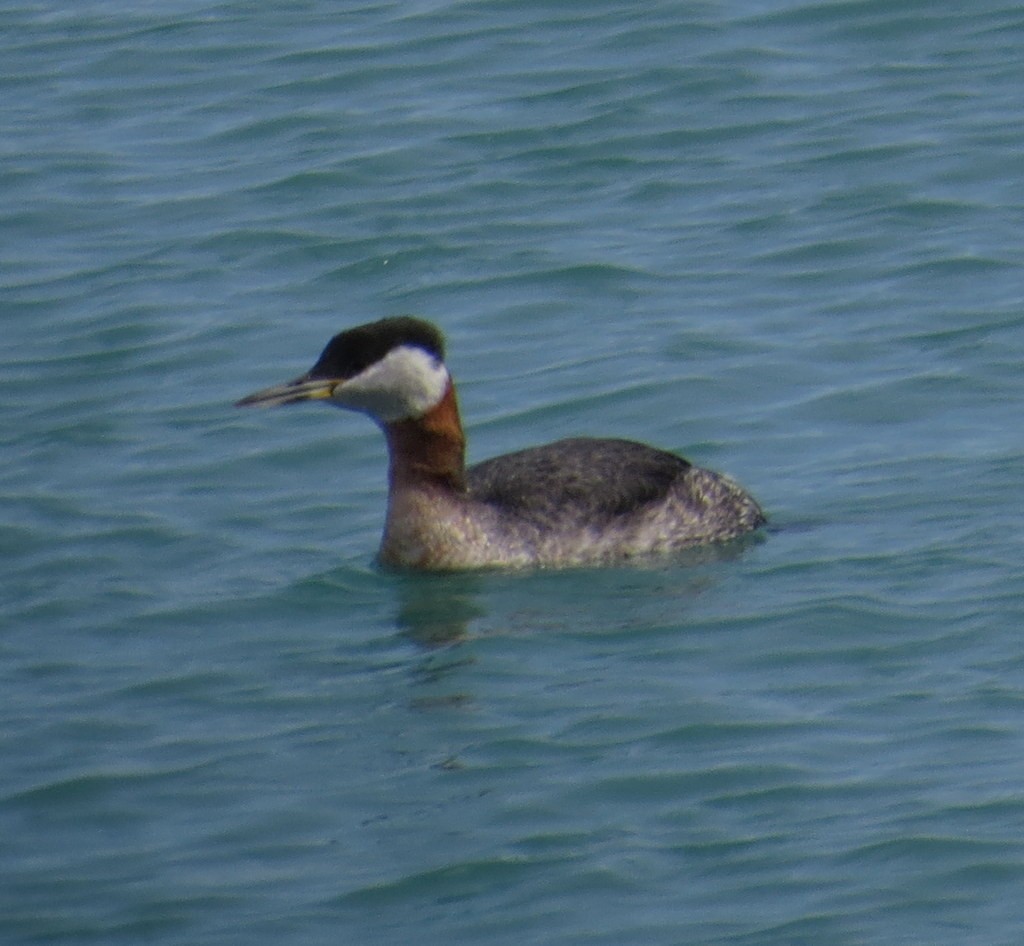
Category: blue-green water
<point>782,238</point>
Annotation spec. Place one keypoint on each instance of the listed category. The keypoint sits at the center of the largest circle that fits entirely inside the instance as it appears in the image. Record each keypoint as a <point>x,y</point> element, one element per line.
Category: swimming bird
<point>580,501</point>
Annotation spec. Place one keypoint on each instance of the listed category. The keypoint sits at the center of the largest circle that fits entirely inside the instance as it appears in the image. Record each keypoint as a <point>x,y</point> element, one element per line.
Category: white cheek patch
<point>405,383</point>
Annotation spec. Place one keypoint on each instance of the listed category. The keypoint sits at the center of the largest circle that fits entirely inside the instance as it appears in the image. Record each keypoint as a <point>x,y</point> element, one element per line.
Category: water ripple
<point>781,239</point>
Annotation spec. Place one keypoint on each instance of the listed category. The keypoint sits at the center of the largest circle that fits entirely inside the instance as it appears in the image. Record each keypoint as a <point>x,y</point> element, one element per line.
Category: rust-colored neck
<point>429,449</point>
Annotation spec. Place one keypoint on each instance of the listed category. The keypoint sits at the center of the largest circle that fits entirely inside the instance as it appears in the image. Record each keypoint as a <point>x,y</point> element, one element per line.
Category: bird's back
<point>618,491</point>
<point>580,477</point>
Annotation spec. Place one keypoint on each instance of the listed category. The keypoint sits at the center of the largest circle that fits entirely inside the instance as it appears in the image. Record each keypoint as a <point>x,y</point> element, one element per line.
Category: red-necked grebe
<point>573,502</point>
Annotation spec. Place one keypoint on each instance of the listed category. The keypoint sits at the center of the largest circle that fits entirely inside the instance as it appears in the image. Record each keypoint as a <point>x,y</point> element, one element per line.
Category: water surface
<point>781,238</point>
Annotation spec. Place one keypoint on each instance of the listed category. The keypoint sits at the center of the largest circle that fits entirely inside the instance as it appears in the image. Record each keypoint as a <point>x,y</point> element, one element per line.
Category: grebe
<point>573,502</point>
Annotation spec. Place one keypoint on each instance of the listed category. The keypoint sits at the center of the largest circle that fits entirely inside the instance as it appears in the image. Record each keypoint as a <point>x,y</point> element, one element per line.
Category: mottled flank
<point>592,500</point>
<point>431,527</point>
